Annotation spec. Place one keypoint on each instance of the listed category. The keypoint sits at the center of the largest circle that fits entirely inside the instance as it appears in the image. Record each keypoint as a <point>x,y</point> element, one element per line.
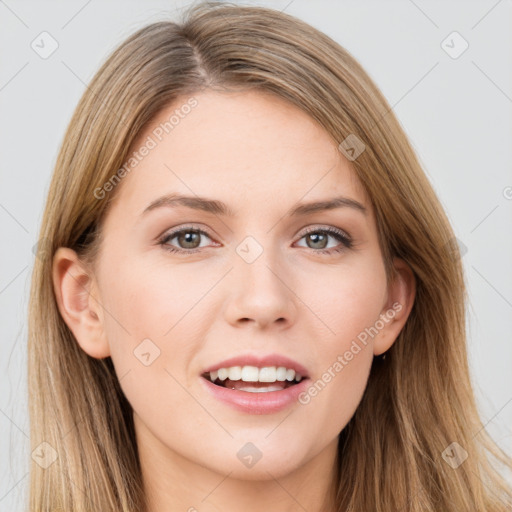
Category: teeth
<point>268,374</point>
<point>255,374</point>
<point>250,374</point>
<point>235,373</point>
<point>281,373</point>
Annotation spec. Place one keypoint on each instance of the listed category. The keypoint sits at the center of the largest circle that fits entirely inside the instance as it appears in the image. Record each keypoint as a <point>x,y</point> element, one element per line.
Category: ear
<point>78,302</point>
<point>400,299</point>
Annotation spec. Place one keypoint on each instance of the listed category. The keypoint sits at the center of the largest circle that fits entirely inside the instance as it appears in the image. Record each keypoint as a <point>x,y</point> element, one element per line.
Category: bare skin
<point>261,156</point>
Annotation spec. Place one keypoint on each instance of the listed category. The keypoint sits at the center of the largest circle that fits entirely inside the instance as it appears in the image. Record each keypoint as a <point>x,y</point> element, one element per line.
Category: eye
<point>317,238</point>
<point>187,238</point>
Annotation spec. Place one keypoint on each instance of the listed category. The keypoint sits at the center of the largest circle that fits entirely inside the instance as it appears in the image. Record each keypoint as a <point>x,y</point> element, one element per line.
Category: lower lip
<point>257,403</point>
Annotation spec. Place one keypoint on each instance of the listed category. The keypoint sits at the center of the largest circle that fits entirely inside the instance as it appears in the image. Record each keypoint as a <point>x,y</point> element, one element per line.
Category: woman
<point>251,299</point>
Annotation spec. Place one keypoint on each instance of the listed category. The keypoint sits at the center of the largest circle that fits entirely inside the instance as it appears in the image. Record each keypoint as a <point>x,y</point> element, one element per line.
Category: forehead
<point>249,149</point>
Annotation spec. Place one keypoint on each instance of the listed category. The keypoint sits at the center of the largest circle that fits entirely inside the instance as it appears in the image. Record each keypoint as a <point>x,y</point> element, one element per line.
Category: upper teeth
<point>255,374</point>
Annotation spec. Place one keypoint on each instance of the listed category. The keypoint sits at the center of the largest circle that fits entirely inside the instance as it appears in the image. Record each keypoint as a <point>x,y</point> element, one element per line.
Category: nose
<point>261,293</point>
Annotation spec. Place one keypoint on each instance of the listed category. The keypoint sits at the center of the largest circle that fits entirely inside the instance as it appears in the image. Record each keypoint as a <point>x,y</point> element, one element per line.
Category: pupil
<point>323,238</point>
<point>187,238</point>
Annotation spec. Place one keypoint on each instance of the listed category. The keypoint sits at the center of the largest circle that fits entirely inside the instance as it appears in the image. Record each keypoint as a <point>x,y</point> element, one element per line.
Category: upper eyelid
<point>175,231</point>
<point>330,229</point>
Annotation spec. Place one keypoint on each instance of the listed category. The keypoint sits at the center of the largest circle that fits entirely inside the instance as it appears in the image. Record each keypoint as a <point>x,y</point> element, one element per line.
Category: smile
<point>253,379</point>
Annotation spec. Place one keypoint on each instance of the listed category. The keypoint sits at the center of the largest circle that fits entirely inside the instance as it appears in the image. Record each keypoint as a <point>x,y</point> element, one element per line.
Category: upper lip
<point>260,361</point>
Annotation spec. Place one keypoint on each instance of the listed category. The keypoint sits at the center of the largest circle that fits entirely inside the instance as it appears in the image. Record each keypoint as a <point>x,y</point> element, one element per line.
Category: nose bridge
<point>259,290</point>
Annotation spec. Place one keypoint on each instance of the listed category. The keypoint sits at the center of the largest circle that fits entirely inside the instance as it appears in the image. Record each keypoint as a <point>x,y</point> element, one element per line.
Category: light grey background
<point>457,113</point>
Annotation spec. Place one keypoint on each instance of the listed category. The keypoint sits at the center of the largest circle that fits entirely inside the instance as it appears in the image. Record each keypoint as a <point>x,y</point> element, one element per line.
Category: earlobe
<point>400,300</point>
<point>78,303</point>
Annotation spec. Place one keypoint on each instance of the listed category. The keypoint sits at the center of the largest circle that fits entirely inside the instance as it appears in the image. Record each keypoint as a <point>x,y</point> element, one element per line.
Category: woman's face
<point>181,287</point>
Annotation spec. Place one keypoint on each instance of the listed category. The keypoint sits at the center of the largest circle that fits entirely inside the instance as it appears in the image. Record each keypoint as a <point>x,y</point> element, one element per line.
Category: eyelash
<point>346,241</point>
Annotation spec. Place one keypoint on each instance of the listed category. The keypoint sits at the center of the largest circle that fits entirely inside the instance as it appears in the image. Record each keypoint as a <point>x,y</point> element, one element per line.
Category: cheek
<point>349,302</point>
<point>151,330</point>
<point>141,305</point>
<point>150,301</point>
<point>347,299</point>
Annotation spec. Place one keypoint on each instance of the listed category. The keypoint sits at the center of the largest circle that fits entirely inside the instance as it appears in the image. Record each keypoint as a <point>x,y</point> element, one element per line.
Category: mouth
<point>254,379</point>
<point>256,384</point>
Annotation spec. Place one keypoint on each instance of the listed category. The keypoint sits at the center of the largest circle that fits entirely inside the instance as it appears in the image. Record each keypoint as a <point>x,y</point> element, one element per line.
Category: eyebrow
<point>219,208</point>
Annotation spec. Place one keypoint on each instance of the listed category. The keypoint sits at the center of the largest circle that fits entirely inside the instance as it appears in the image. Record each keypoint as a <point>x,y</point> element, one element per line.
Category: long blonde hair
<point>419,399</point>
